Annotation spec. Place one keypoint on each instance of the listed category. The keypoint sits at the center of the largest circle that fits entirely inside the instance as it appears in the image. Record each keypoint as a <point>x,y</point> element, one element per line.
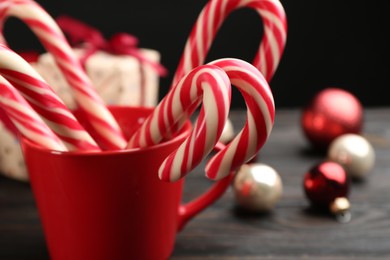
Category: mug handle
<point>189,210</point>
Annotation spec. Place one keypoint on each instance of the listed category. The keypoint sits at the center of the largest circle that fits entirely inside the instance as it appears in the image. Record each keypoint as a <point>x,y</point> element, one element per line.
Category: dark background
<point>330,43</point>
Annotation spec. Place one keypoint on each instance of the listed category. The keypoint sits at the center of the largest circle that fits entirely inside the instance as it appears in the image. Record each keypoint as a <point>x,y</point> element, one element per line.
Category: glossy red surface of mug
<point>111,205</point>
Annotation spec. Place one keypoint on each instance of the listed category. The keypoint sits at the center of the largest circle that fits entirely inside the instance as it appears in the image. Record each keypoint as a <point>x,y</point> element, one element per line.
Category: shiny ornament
<point>332,112</point>
<point>354,153</point>
<point>227,132</point>
<point>326,185</point>
<point>257,187</point>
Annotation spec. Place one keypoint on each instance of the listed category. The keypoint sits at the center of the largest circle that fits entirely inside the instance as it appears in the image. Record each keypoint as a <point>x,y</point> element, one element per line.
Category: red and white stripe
<point>207,84</point>
<point>26,120</point>
<point>259,122</point>
<point>50,35</point>
<point>44,101</point>
<point>212,17</point>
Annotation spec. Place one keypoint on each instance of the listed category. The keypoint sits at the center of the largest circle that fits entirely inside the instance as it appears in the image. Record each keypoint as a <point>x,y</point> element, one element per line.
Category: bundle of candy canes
<point>42,117</point>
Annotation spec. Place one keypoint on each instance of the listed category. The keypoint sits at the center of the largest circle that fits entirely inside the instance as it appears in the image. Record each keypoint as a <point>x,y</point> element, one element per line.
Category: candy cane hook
<point>208,84</point>
<point>211,18</point>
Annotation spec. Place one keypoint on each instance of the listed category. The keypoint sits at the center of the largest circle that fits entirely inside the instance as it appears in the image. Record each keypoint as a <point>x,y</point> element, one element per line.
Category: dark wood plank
<point>223,231</point>
<point>292,230</point>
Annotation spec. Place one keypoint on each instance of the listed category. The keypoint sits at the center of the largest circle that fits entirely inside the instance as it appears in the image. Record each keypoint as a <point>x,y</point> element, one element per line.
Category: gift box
<point>118,79</point>
<point>11,157</point>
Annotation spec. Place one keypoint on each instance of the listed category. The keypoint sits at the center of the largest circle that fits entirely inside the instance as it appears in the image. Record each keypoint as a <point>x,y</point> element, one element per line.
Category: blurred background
<point>329,44</point>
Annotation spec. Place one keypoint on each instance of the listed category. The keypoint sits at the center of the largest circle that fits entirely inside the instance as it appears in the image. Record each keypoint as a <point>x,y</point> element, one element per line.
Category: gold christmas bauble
<point>257,187</point>
<point>354,153</point>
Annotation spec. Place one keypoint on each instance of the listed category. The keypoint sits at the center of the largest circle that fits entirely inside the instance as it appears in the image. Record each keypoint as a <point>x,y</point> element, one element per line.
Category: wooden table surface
<point>223,231</point>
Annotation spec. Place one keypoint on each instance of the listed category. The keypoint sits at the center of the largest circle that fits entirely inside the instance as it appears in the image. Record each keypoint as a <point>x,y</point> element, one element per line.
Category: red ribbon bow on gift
<point>119,44</point>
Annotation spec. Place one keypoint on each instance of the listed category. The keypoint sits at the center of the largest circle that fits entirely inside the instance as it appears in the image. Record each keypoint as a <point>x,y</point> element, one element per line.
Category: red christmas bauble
<point>325,182</point>
<point>331,113</point>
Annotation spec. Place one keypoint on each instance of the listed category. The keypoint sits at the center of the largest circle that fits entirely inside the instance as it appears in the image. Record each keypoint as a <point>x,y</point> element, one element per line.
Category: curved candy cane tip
<point>208,83</point>
<point>212,17</point>
<point>260,118</point>
<point>212,85</point>
<point>250,81</point>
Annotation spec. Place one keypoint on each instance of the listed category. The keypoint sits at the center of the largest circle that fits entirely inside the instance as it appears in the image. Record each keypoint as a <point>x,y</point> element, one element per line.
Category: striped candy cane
<point>260,118</point>
<point>258,126</point>
<point>259,122</point>
<point>206,83</point>
<point>44,101</point>
<point>54,41</point>
<point>25,119</point>
<point>212,17</point>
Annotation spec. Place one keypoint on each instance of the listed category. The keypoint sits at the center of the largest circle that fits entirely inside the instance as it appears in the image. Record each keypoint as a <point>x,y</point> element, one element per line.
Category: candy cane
<point>259,122</point>
<point>260,118</point>
<point>54,41</point>
<point>207,83</point>
<point>212,17</point>
<point>25,119</point>
<point>44,101</point>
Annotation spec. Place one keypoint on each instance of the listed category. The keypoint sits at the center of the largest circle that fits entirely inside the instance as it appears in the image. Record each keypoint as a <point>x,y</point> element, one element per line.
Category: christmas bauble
<point>326,185</point>
<point>354,153</point>
<point>257,187</point>
<point>331,113</point>
<point>325,182</point>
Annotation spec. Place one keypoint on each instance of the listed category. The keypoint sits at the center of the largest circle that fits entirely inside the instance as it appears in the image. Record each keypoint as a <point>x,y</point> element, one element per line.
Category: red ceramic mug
<point>111,205</point>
